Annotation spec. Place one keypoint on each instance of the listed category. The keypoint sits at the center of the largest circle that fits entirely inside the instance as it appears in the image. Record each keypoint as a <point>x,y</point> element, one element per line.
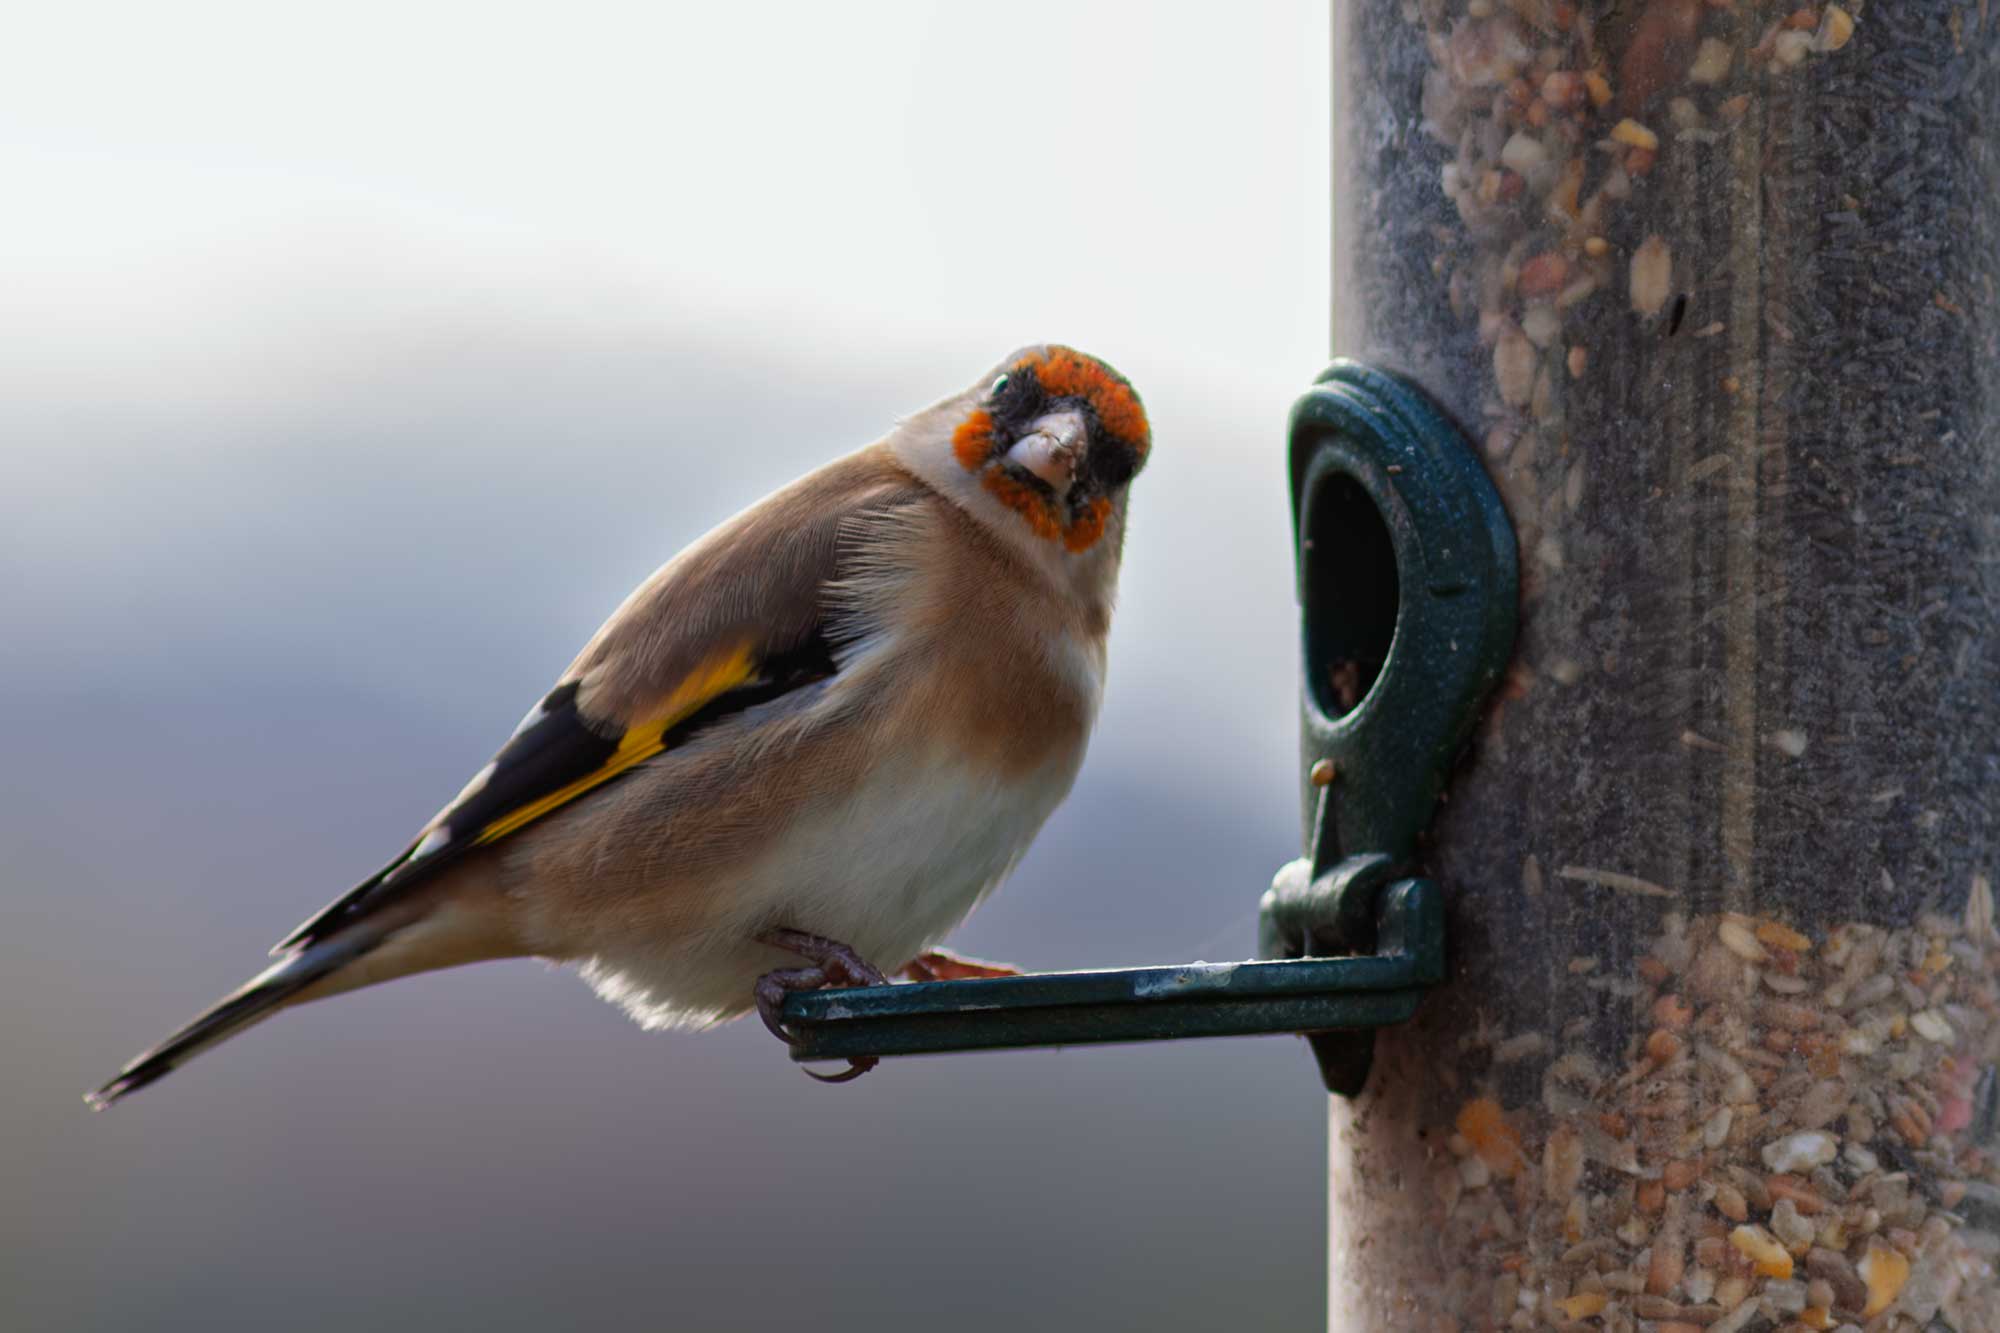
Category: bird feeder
<point>1712,286</point>
<point>1707,289</point>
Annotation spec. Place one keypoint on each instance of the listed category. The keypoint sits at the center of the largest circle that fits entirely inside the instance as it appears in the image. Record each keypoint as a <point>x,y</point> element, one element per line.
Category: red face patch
<point>973,440</point>
<point>1079,534</point>
<point>1120,422</point>
<point>1069,374</point>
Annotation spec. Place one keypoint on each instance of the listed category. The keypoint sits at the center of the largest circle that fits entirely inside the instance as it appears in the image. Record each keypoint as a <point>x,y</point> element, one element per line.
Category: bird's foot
<point>937,965</point>
<point>833,965</point>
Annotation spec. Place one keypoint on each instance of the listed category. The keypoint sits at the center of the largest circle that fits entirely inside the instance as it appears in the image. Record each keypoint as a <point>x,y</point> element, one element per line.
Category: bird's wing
<point>739,618</point>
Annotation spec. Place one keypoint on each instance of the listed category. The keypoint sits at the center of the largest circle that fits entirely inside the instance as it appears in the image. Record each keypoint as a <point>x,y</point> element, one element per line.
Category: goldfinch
<point>811,742</point>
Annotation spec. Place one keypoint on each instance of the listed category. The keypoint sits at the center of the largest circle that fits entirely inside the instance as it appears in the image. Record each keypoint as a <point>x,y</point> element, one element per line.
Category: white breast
<point>890,871</point>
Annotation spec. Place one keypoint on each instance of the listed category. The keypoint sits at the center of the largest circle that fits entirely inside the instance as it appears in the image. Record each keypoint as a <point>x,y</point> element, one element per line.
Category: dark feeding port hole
<point>1351,594</point>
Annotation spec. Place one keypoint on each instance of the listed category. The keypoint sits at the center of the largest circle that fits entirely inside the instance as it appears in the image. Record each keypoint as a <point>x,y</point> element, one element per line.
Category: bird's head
<point>1042,447</point>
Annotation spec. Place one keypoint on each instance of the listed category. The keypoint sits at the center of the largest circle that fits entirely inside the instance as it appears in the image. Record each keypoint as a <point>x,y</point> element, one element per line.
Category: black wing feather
<point>555,749</point>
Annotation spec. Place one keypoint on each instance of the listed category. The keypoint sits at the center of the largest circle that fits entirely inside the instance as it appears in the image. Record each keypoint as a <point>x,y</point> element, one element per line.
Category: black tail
<point>255,1001</point>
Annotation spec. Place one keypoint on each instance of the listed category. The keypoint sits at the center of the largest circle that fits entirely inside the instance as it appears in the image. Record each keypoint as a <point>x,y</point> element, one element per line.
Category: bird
<point>803,750</point>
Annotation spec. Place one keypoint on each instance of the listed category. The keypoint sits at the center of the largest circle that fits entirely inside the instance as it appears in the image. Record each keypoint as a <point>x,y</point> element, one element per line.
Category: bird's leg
<point>938,965</point>
<point>842,966</point>
<point>833,964</point>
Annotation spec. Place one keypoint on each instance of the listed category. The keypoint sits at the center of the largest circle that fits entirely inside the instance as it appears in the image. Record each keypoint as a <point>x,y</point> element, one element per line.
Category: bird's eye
<point>998,385</point>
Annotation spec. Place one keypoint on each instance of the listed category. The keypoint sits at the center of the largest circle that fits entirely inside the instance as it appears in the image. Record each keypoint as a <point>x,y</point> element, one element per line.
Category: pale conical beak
<point>1051,449</point>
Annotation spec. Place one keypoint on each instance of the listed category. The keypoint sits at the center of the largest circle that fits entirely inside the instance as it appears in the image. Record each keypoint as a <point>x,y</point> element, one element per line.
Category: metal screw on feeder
<point>1407,583</point>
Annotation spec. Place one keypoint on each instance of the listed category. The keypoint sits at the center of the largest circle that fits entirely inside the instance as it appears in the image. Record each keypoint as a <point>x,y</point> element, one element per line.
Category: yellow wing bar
<point>643,739</point>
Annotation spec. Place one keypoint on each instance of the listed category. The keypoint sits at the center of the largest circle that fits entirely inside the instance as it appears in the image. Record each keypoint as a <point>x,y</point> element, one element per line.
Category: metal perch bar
<point>1140,1004</point>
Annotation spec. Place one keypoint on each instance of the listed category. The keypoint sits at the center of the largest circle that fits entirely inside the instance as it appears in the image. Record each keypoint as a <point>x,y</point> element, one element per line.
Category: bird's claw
<point>857,1065</point>
<point>833,965</point>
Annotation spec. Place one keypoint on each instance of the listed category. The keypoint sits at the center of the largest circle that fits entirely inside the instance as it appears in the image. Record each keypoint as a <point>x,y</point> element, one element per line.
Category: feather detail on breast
<point>986,662</point>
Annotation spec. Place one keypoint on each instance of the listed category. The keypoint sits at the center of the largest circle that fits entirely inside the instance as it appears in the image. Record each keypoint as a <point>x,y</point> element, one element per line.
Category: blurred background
<point>359,359</point>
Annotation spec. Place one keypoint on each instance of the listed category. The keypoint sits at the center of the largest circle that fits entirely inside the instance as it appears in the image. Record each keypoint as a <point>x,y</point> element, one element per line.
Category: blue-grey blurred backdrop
<point>359,358</point>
